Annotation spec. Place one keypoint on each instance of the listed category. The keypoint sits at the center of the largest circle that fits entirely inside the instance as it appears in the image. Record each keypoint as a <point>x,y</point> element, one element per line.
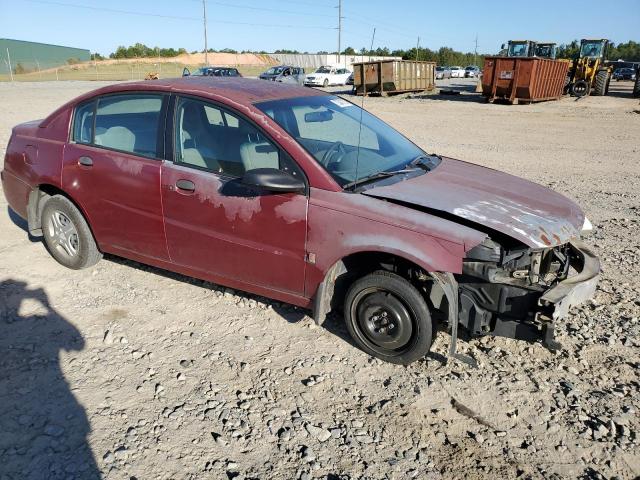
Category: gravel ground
<point>126,371</point>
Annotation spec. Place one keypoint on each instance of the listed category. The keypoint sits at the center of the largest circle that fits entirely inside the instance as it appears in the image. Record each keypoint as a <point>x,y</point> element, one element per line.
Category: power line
<point>372,22</point>
<point>176,17</point>
<point>266,9</point>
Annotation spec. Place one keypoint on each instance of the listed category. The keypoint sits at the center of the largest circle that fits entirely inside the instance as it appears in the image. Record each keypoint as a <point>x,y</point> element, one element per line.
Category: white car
<point>457,72</point>
<point>326,75</point>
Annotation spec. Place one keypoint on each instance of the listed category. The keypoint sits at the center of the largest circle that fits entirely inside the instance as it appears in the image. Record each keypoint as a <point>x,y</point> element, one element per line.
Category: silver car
<point>442,73</point>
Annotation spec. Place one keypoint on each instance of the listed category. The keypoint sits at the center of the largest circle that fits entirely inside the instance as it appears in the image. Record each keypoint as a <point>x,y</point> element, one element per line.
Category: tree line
<point>629,51</point>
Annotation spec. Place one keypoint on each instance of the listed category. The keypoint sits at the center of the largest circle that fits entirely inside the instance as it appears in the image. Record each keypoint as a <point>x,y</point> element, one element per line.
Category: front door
<point>112,169</point>
<point>217,225</point>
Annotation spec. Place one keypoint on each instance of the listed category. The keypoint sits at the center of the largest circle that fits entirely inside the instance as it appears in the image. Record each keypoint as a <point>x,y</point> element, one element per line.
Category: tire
<point>636,86</point>
<point>388,318</point>
<point>67,235</point>
<point>601,84</point>
<point>580,88</point>
<point>325,84</point>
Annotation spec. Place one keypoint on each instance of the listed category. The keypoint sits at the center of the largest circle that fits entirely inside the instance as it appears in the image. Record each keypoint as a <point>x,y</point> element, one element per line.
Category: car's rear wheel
<point>388,318</point>
<point>67,234</point>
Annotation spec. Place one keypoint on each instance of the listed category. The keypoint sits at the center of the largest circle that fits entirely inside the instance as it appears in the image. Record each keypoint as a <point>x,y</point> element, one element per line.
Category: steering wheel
<point>336,150</point>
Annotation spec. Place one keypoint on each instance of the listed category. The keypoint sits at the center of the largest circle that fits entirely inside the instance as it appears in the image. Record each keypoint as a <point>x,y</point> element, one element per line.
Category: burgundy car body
<point>291,246</point>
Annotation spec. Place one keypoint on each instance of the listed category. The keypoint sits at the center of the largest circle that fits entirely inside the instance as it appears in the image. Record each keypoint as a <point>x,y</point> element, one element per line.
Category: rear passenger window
<point>83,123</point>
<point>129,123</point>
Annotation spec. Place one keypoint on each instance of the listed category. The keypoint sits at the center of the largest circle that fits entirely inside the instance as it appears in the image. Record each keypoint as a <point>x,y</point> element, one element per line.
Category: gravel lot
<point>127,371</point>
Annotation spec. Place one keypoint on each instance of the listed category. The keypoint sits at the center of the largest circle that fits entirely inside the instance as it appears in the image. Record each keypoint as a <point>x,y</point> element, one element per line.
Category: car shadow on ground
<point>334,322</point>
<point>43,427</point>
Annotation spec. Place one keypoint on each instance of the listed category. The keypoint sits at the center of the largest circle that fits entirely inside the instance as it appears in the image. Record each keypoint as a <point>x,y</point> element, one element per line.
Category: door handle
<point>86,161</point>
<point>186,185</point>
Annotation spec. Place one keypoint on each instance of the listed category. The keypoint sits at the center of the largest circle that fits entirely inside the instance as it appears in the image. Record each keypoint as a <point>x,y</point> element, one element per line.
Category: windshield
<point>203,71</point>
<point>517,50</point>
<point>439,69</point>
<point>323,70</point>
<point>591,49</point>
<point>328,127</point>
<point>274,71</point>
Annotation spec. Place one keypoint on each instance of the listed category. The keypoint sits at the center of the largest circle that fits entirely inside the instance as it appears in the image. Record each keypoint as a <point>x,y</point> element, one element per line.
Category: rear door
<point>215,224</point>
<point>112,169</point>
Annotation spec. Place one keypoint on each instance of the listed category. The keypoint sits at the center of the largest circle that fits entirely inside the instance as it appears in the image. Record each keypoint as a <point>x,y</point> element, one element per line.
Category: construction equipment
<point>529,48</point>
<point>589,74</point>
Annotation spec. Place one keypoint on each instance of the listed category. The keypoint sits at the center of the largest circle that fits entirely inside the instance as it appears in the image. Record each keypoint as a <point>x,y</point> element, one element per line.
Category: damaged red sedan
<point>303,197</point>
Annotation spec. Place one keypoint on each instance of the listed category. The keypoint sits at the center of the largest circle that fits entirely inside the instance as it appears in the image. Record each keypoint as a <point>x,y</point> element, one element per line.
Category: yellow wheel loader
<point>588,74</point>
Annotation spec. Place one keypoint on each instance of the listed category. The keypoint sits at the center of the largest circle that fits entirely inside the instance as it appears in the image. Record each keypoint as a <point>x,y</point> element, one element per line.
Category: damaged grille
<point>500,285</point>
<point>521,266</point>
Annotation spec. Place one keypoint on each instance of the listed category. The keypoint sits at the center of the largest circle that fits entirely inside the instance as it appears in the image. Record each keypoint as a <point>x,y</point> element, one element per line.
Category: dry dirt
<point>127,371</point>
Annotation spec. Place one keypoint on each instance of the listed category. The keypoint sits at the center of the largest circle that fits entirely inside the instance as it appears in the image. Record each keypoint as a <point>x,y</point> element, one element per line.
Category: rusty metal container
<point>524,79</point>
<point>384,77</point>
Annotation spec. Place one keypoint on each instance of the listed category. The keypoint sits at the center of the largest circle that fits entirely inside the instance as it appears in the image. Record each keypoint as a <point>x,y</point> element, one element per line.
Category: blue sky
<point>309,25</point>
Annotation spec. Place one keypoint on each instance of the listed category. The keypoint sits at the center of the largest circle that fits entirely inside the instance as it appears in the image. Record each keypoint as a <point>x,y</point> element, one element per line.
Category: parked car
<point>457,72</point>
<point>300,196</point>
<point>212,72</point>
<point>282,71</point>
<point>350,80</point>
<point>442,73</point>
<point>327,75</point>
<point>472,71</point>
<point>624,74</point>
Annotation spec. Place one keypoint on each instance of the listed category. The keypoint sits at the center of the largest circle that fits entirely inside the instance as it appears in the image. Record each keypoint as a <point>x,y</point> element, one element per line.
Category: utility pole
<point>204,19</point>
<point>417,49</point>
<point>339,27</point>
<point>475,52</point>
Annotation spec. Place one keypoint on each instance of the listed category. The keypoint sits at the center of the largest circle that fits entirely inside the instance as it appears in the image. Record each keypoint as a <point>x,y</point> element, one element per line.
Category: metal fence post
<point>9,60</point>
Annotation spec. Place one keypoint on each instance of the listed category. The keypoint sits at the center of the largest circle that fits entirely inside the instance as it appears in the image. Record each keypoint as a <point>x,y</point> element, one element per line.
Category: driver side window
<point>211,138</point>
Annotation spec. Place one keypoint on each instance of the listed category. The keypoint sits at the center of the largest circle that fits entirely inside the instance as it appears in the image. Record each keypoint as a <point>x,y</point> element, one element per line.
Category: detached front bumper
<point>574,290</point>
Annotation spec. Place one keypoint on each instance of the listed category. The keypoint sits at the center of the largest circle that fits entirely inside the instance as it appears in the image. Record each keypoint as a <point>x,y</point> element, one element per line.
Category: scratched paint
<point>240,208</point>
<point>289,211</point>
<point>519,220</point>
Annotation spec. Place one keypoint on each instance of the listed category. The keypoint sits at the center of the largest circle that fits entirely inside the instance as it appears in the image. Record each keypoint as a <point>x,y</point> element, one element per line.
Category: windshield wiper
<point>423,161</point>
<point>431,162</point>
<point>377,175</point>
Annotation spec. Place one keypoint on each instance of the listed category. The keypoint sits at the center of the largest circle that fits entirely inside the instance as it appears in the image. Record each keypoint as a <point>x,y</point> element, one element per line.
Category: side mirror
<point>186,72</point>
<point>273,180</point>
<point>502,47</point>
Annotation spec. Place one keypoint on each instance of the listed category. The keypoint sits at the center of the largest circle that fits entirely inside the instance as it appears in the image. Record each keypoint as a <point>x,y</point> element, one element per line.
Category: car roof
<point>242,90</point>
<point>238,90</point>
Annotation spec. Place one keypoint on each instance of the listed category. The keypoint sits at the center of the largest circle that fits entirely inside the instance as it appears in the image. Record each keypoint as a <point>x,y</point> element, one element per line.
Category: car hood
<point>523,210</point>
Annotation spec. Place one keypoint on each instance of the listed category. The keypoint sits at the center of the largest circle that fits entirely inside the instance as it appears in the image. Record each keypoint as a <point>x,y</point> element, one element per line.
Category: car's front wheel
<point>325,84</point>
<point>67,234</point>
<point>388,318</point>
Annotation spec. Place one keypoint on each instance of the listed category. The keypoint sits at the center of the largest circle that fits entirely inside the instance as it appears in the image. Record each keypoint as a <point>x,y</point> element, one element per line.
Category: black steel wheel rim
<point>383,321</point>
<point>580,88</point>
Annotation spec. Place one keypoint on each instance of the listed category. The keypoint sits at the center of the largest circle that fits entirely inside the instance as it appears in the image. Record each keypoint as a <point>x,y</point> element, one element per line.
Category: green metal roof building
<point>33,56</point>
